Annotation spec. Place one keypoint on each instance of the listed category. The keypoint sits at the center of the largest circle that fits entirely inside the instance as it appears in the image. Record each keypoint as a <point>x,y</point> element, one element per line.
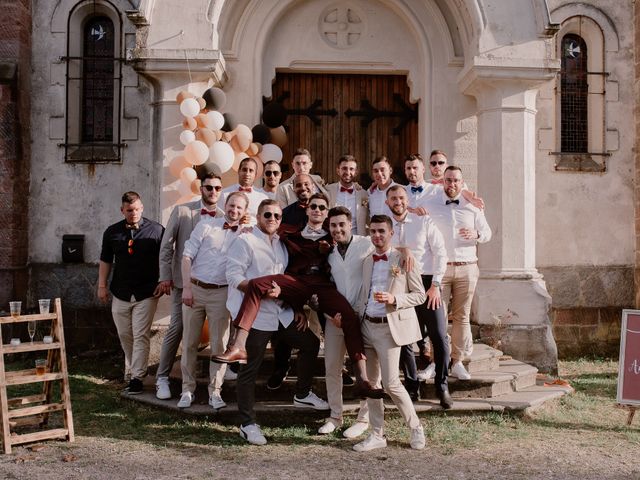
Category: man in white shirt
<point>462,226</point>
<point>182,221</point>
<point>254,255</point>
<point>271,178</point>
<point>247,172</point>
<point>204,295</point>
<point>381,172</point>
<point>348,193</point>
<point>302,164</point>
<point>421,236</point>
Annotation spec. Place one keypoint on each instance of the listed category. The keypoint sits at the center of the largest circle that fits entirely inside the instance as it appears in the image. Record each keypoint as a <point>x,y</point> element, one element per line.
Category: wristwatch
<point>436,284</point>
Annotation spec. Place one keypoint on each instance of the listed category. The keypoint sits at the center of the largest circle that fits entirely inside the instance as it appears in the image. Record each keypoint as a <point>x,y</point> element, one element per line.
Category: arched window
<point>574,90</point>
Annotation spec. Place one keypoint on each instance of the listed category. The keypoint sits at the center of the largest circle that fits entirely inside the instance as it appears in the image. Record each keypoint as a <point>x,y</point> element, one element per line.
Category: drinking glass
<point>31,327</point>
<point>44,304</point>
<point>15,308</point>
<point>41,366</point>
<point>377,289</point>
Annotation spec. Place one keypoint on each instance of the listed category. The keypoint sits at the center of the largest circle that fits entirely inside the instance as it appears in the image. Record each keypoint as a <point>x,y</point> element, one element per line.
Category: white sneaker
<point>230,374</point>
<point>215,400</point>
<point>428,373</point>
<point>355,430</point>
<point>417,438</point>
<point>370,443</point>
<point>162,388</point>
<point>310,401</point>
<point>458,371</point>
<point>252,434</point>
<point>330,426</point>
<point>185,400</point>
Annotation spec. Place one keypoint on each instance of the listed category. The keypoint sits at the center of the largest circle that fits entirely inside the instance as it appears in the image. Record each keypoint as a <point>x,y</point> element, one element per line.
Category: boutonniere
<point>395,270</point>
<point>365,202</point>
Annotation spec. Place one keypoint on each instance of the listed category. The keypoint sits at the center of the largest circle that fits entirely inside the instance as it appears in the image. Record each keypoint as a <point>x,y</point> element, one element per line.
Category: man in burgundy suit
<point>306,274</point>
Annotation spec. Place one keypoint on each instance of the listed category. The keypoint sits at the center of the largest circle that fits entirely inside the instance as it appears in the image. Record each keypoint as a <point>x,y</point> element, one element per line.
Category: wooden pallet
<point>35,409</point>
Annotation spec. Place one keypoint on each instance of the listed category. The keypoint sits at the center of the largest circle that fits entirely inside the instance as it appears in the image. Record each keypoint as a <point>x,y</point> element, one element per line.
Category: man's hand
<point>407,261</point>
<point>434,299</point>
<point>246,218</point>
<point>468,233</point>
<point>165,287</point>
<point>301,320</point>
<point>103,294</point>
<point>337,320</point>
<point>187,296</point>
<point>384,297</point>
<point>273,292</point>
<point>473,199</point>
<point>313,302</point>
<point>324,246</point>
<point>420,211</point>
<point>248,229</point>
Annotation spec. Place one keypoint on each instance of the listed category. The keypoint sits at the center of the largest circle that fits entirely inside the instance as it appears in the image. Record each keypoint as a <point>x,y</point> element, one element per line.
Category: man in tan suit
<point>348,193</point>
<point>301,165</point>
<point>386,302</point>
<point>182,221</point>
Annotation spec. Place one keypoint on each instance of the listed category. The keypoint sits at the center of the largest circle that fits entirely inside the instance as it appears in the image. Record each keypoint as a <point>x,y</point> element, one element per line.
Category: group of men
<point>373,269</point>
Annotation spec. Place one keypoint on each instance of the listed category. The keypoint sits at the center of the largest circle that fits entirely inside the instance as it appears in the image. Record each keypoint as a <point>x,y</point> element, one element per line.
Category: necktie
<point>377,258</point>
<point>132,226</point>
<point>417,189</point>
<point>457,202</point>
<point>211,213</point>
<point>245,189</point>
<point>348,190</point>
<point>233,228</point>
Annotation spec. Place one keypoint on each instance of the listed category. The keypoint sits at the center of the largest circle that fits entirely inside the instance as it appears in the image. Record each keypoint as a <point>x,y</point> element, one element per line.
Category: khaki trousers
<point>211,304</point>
<point>133,322</point>
<point>383,357</point>
<point>334,351</point>
<point>458,286</point>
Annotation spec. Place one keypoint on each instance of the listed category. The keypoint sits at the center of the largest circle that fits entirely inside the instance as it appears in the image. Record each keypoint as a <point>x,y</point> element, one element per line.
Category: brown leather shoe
<point>363,389</point>
<point>231,355</point>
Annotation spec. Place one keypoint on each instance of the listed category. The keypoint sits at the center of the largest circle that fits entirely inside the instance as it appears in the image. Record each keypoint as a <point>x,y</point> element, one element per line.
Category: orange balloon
<point>244,137</point>
<point>178,164</point>
<point>202,102</point>
<point>204,334</point>
<point>236,145</point>
<point>260,170</point>
<point>183,95</point>
<point>200,119</point>
<point>195,186</point>
<point>228,136</point>
<point>207,136</point>
<point>229,177</point>
<point>189,123</point>
<point>253,150</point>
<point>279,136</point>
<point>218,135</point>
<point>236,161</point>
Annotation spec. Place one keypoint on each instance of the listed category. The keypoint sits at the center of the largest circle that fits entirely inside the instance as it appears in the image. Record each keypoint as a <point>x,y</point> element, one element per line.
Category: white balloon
<point>188,175</point>
<point>190,107</point>
<point>186,137</point>
<point>222,156</point>
<point>270,152</point>
<point>196,152</point>
<point>215,120</point>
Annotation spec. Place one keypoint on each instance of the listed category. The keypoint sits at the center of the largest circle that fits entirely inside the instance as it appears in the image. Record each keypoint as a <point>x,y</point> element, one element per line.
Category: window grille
<point>574,90</point>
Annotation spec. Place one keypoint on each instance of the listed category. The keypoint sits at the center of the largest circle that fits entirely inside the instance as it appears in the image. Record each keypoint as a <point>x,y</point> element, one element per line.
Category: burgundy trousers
<point>296,291</point>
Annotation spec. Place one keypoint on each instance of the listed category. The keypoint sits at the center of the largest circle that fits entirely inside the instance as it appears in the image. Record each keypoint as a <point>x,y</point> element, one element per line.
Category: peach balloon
<point>229,177</point>
<point>195,186</point>
<point>178,164</point>
<point>236,161</point>
<point>202,102</point>
<point>196,152</point>
<point>253,149</point>
<point>189,123</point>
<point>183,95</point>
<point>243,136</point>
<point>207,136</point>
<point>201,119</point>
<point>260,170</point>
<point>279,136</point>
<point>188,175</point>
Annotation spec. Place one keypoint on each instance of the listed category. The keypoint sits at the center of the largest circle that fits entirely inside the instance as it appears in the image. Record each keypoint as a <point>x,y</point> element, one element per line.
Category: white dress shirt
<point>347,272</point>
<point>377,201</point>
<point>451,218</point>
<point>256,195</point>
<point>425,241</point>
<point>313,234</point>
<point>207,248</point>
<point>252,255</point>
<point>271,195</point>
<point>416,199</point>
<point>379,283</point>
<point>349,201</point>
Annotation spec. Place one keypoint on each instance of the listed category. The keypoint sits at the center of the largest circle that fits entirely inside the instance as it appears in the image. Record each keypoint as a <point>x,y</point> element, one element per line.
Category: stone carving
<point>341,26</point>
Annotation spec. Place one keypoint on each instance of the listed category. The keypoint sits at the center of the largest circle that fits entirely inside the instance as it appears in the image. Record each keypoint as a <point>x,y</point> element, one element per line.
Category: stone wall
<point>636,191</point>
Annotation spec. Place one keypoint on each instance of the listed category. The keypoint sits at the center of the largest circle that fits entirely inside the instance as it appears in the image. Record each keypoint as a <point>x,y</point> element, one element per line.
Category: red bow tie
<point>377,258</point>
<point>233,228</point>
<point>345,189</point>
<point>245,189</point>
<point>304,206</point>
<point>436,182</point>
<point>211,213</point>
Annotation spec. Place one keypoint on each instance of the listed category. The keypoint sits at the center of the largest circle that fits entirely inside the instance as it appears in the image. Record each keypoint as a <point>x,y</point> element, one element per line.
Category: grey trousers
<point>173,337</point>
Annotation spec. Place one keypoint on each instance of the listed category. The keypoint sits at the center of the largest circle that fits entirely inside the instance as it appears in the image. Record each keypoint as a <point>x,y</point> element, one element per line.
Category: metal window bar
<point>574,91</point>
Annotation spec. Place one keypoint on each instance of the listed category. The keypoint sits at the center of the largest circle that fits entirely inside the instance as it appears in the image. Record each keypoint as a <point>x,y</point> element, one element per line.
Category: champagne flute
<point>31,327</point>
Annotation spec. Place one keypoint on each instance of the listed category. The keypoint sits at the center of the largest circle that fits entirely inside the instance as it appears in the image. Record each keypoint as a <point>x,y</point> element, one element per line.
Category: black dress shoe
<point>446,401</point>
<point>276,379</point>
<point>347,380</point>
<point>414,396</point>
<point>365,390</point>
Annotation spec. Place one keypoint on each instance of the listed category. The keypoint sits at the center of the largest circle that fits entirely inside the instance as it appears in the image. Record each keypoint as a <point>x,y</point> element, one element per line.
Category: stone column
<point>511,303</point>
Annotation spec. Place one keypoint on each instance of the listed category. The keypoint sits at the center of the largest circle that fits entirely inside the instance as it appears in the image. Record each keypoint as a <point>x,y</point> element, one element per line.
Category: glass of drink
<point>378,289</point>
<point>44,304</point>
<point>41,366</point>
<point>15,308</point>
<point>31,328</point>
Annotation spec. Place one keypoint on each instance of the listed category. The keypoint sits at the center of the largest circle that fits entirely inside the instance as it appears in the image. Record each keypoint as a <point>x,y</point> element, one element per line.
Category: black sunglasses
<point>439,162</point>
<point>268,215</point>
<point>209,188</point>
<point>270,173</point>
<point>317,206</point>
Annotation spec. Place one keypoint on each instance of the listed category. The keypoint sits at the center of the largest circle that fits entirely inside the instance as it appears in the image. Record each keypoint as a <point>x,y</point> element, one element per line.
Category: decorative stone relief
<point>341,26</point>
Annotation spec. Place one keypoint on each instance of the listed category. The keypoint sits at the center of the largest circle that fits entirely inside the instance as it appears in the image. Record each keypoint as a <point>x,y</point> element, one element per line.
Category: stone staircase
<point>498,383</point>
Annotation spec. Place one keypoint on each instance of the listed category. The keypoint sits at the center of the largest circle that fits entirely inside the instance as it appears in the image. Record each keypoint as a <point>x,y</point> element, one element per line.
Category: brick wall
<point>15,54</point>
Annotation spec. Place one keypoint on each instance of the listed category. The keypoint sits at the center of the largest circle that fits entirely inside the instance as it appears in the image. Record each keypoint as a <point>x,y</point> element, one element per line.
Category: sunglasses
<point>268,215</point>
<point>130,247</point>
<point>317,206</point>
<point>273,173</point>
<point>210,188</point>
<point>434,163</point>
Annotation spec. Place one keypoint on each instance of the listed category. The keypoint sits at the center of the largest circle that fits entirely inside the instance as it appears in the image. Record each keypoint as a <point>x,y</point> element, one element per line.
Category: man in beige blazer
<point>301,163</point>
<point>182,221</point>
<point>348,193</point>
<point>389,321</point>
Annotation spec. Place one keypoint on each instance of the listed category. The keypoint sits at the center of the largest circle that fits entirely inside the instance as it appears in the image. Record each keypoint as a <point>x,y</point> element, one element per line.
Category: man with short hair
<point>271,178</point>
<point>381,172</point>
<point>302,164</point>
<point>204,295</point>
<point>247,172</point>
<point>134,245</point>
<point>437,165</point>
<point>296,213</point>
<point>386,301</point>
<point>463,226</point>
<point>348,193</point>
<point>182,221</point>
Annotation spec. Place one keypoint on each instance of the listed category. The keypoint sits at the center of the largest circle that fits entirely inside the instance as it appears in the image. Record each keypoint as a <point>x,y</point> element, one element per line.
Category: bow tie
<point>303,205</point>
<point>132,226</point>
<point>377,258</point>
<point>245,189</point>
<point>233,228</point>
<point>314,231</point>
<point>417,189</point>
<point>345,189</point>
<point>457,202</point>
<point>211,213</point>
<point>436,182</point>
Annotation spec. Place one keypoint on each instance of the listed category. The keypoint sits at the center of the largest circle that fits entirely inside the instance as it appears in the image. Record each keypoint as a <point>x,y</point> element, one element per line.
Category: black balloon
<point>230,123</point>
<point>261,134</point>
<point>204,169</point>
<point>215,98</point>
<point>274,115</point>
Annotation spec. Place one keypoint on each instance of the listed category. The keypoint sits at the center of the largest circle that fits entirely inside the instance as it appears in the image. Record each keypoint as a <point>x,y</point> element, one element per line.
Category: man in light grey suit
<point>301,165</point>
<point>182,221</point>
<point>348,193</point>
<point>389,293</point>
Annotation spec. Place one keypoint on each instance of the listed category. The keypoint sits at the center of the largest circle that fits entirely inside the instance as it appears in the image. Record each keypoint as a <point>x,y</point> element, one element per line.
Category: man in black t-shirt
<point>133,244</point>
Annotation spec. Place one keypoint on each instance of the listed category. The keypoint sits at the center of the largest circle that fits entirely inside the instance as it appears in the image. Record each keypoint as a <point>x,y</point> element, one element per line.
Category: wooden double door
<point>335,114</point>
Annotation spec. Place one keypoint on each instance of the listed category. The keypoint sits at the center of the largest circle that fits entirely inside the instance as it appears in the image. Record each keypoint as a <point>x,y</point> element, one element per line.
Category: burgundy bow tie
<point>132,226</point>
<point>233,228</point>
<point>245,189</point>
<point>211,213</point>
<point>304,206</point>
<point>345,189</point>
<point>377,258</point>
<point>436,182</point>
